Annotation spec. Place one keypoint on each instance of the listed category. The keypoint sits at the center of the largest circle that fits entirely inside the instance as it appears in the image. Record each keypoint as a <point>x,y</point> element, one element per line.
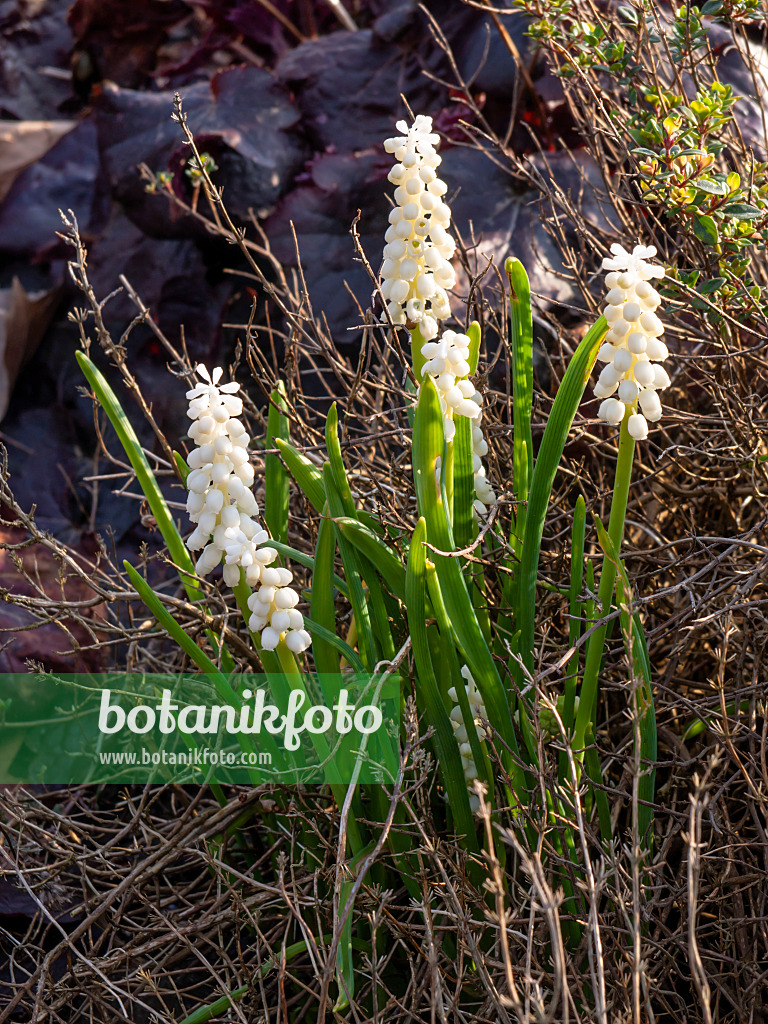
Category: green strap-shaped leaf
<point>181,466</point>
<point>322,605</point>
<point>417,359</point>
<point>326,645</point>
<point>445,742</point>
<point>334,641</point>
<point>381,633</point>
<point>517,533</point>
<point>349,560</point>
<point>453,677</point>
<point>473,333</point>
<point>446,478</point>
<point>382,557</point>
<point>593,656</point>
<point>223,1004</point>
<point>595,775</point>
<point>576,611</point>
<point>307,475</point>
<point>575,607</point>
<point>427,445</point>
<point>275,476</point>
<point>521,324</point>
<point>345,964</point>
<point>636,648</point>
<point>333,447</point>
<point>560,420</point>
<point>464,525</point>
<point>462,520</point>
<point>146,478</point>
<point>382,630</point>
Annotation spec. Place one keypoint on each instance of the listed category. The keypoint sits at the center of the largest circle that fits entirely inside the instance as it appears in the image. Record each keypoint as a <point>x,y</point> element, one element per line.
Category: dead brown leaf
<point>24,142</point>
<point>24,318</point>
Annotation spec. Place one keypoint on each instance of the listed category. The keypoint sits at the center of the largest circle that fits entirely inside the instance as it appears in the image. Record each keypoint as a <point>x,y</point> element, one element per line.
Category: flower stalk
<point>596,642</point>
<point>633,351</point>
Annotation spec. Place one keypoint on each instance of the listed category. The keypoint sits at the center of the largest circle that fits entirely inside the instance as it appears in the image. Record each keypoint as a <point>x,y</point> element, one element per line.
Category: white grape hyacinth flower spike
<point>633,350</point>
<point>447,362</point>
<point>221,505</point>
<point>416,270</point>
<point>274,612</point>
<point>220,501</point>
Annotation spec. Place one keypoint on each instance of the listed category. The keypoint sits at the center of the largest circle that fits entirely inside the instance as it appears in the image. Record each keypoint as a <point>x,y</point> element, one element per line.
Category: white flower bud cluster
<point>485,494</point>
<point>222,505</point>
<point>460,730</point>
<point>633,348</point>
<point>447,362</point>
<point>274,612</point>
<point>550,727</point>
<point>416,271</point>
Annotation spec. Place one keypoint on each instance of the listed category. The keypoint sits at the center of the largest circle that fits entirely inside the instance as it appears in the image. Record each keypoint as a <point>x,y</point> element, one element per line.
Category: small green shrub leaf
<point>743,211</point>
<point>705,229</point>
<point>713,285</point>
<point>712,188</point>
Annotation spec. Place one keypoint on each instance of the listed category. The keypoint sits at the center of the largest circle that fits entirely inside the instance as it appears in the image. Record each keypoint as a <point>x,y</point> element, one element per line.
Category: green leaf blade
<point>382,557</point>
<point>146,478</point>
<point>307,475</point>
<point>352,573</point>
<point>444,740</point>
<point>464,525</point>
<point>521,324</point>
<point>567,400</point>
<point>277,495</point>
<point>705,229</point>
<point>322,609</point>
<point>427,445</point>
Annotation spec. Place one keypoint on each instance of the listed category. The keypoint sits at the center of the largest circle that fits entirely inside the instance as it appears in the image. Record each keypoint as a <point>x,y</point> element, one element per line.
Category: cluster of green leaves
<point>438,599</point>
<point>688,33</point>
<point>584,46</point>
<point>198,168</point>
<point>678,145</point>
<point>731,10</point>
<point>581,45</point>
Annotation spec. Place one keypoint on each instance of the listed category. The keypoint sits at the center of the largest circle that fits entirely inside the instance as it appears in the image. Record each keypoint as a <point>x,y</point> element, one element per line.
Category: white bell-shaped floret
<point>644,374</point>
<point>637,426</point>
<point>611,411</point>
<point>650,403</point>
